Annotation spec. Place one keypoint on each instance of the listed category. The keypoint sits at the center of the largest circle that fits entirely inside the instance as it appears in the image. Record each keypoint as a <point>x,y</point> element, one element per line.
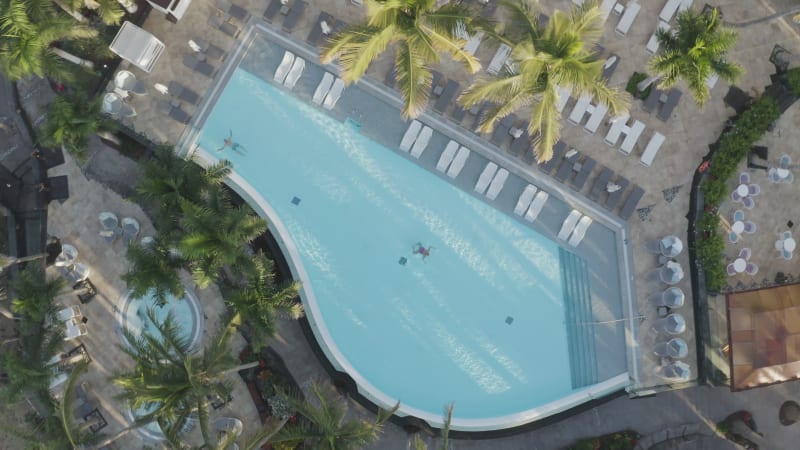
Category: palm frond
<point>413,80</point>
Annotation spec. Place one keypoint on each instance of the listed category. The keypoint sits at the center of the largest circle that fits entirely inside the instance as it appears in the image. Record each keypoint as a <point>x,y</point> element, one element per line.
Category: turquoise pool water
<point>184,311</point>
<point>428,332</point>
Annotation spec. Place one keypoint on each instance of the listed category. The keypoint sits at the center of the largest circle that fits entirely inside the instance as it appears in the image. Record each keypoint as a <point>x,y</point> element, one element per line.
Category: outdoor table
<point>737,227</point>
<point>789,244</point>
<point>782,173</point>
<point>742,190</point>
<point>739,264</point>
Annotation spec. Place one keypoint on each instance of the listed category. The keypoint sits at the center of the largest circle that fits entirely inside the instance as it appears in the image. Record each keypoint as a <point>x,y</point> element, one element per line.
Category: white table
<point>789,244</point>
<point>737,227</point>
<point>782,173</point>
<point>739,265</point>
<point>742,190</point>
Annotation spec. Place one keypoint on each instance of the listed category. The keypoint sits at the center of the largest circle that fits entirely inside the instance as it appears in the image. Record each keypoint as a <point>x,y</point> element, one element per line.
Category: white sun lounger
<point>486,176</point>
<point>669,10</point>
<point>499,58</point>
<point>473,42</point>
<point>686,4</point>
<point>536,206</point>
<point>411,135</point>
<point>323,88</point>
<point>334,94</point>
<point>580,108</point>
<point>605,8</point>
<point>617,125</point>
<point>497,184</point>
<point>447,156</point>
<point>580,231</point>
<point>422,142</point>
<point>295,72</point>
<point>652,44</point>
<point>628,17</point>
<point>284,66</point>
<point>458,162</point>
<point>652,149</point>
<point>68,313</point>
<point>524,200</point>
<point>563,97</point>
<point>630,139</point>
<point>595,118</point>
<point>569,224</point>
<point>712,79</point>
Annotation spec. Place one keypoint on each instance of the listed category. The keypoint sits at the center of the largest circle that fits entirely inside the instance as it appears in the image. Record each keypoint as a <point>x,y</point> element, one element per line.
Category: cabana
<point>137,46</point>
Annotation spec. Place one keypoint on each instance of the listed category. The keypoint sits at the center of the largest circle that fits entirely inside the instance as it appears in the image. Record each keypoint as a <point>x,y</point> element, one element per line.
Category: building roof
<point>764,327</point>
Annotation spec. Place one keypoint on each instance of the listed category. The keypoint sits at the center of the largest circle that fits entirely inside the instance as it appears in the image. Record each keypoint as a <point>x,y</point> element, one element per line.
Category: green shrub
<point>793,76</point>
<point>633,82</point>
<point>713,191</point>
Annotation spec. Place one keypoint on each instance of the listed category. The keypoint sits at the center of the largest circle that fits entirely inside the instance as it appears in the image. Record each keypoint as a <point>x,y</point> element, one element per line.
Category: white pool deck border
<point>187,146</point>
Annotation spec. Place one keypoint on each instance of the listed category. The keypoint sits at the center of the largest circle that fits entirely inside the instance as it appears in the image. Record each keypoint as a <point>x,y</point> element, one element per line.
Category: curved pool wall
<point>325,341</point>
<point>188,312</point>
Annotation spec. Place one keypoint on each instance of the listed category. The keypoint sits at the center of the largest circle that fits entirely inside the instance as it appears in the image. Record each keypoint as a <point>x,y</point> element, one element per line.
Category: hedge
<point>734,145</point>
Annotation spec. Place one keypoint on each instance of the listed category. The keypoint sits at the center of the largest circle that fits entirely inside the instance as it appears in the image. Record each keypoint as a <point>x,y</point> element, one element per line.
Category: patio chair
<point>748,202</point>
<point>569,224</point>
<point>272,10</point>
<point>735,196</point>
<point>198,66</point>
<point>497,184</point>
<point>525,198</point>
<point>536,206</point>
<point>786,254</point>
<point>67,256</point>
<point>731,270</point>
<point>753,190</point>
<point>130,229</point>
<point>786,234</point>
<point>182,93</point>
<point>745,253</point>
<point>744,178</point>
<point>422,142</point>
<point>751,269</point>
<point>600,183</point>
<point>77,273</point>
<point>235,11</point>
<point>223,25</point>
<point>749,227</point>
<point>785,162</point>
<point>789,178</point>
<point>733,237</point>
<point>674,348</point>
<point>127,81</point>
<point>68,313</point>
<point>294,15</point>
<point>110,225</point>
<point>173,110</point>
<point>773,175</point>
<point>738,215</point>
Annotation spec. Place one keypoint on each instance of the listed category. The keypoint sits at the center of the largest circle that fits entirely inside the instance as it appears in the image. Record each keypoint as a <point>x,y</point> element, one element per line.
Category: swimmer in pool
<point>422,250</point>
<point>228,142</point>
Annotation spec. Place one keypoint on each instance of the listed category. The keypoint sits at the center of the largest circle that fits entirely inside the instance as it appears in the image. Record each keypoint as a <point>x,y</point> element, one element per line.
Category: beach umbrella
<point>112,103</point>
<point>679,371</point>
<point>671,272</point>
<point>677,348</point>
<point>673,297</point>
<point>671,246</point>
<point>672,324</point>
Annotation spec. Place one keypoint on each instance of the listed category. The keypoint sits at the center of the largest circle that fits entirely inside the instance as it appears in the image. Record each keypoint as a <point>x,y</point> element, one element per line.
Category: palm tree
<point>71,122</point>
<point>171,380</point>
<point>216,234</point>
<point>109,11</point>
<point>29,28</point>
<point>693,51</point>
<point>261,301</point>
<point>8,261</point>
<point>444,443</point>
<point>154,268</point>
<point>560,53</point>
<point>324,426</point>
<point>168,180</point>
<point>420,31</point>
<point>34,297</point>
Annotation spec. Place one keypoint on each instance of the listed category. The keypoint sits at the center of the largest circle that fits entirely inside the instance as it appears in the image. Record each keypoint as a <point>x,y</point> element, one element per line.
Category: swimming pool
<point>480,323</point>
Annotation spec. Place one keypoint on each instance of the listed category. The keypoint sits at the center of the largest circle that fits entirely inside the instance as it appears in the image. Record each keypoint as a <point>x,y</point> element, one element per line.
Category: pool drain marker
<point>295,200</point>
<point>509,320</point>
<point>402,261</point>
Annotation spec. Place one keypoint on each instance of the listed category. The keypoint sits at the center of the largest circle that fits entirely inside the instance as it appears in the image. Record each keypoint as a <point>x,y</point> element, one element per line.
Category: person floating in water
<point>420,249</point>
<point>228,142</point>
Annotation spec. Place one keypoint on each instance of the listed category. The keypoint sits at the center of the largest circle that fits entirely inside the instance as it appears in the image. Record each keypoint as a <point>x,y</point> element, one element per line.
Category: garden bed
<point>621,440</point>
<point>262,381</point>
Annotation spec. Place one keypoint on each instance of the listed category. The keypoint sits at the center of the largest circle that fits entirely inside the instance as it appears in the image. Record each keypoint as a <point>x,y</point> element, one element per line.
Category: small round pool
<point>187,313</point>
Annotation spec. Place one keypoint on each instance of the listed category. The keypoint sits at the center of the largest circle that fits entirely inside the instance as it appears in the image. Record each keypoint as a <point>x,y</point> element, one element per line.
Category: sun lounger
<point>294,15</point>
<point>110,224</point>
<point>478,110</point>
<point>174,111</point>
<point>524,200</point>
<point>223,25</point>
<point>317,33</point>
<point>669,10</point>
<point>458,162</point>
<point>198,66</point>
<point>497,184</point>
<point>234,11</point>
<point>458,113</point>
<point>673,98</point>
<point>183,93</point>
<point>630,139</point>
<point>614,198</point>
<point>563,97</point>
<point>436,87</point>
<point>536,206</point>
<point>600,183</point>
<point>652,149</point>
<point>58,188</point>
<point>74,330</point>
<point>334,94</point>
<point>565,169</point>
<point>500,132</point>
<point>610,66</point>
<point>473,43</point>
<point>444,100</point>
<point>410,135</point>
<point>391,77</point>
<point>77,273</point>
<point>323,88</point>
<point>68,313</point>
<point>447,156</point>
<point>295,72</point>
<point>631,202</point>
<point>598,113</point>
<point>580,231</point>
<point>422,142</point>
<point>712,79</point>
<point>569,224</point>
<point>522,143</point>
<point>651,102</point>
<point>627,18</point>
<point>558,153</point>
<point>272,10</point>
<point>486,176</point>
<point>685,4</point>
<point>499,59</point>
<point>617,125</point>
<point>605,8</point>
<point>586,168</point>
<point>130,229</point>
<point>580,108</point>
<point>652,44</point>
<point>284,67</point>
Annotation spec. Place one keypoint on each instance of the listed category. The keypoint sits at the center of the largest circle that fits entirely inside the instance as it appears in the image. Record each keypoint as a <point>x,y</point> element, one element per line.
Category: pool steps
<point>580,322</point>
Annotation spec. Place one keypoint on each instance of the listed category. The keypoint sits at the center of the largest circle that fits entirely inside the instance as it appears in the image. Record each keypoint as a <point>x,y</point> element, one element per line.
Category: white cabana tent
<point>138,46</point>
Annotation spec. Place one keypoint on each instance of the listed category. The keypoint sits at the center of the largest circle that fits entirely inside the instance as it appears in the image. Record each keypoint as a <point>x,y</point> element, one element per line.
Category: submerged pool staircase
<point>579,319</point>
